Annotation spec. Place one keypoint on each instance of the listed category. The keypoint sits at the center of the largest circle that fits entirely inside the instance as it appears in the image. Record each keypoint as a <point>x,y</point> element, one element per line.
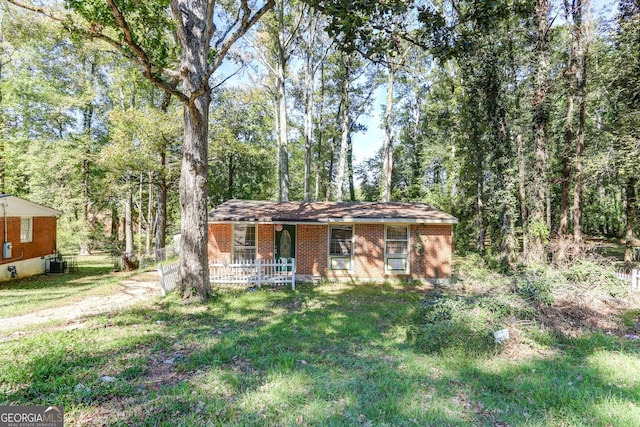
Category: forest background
<point>521,118</point>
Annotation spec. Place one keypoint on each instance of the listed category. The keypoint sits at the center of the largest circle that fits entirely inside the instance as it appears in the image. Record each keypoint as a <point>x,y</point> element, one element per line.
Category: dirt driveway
<point>130,291</point>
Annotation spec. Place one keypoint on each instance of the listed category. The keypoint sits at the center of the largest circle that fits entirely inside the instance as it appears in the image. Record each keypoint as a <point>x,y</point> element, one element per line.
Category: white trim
<point>233,240</point>
<point>406,257</point>
<point>351,257</point>
<point>28,239</point>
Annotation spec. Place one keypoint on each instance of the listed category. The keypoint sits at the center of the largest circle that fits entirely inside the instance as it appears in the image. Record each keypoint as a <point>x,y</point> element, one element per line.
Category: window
<point>244,242</point>
<point>341,247</point>
<point>396,251</point>
<point>26,229</point>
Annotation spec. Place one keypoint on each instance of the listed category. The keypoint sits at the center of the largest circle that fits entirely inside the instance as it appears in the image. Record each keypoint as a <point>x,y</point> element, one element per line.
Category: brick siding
<point>219,246</point>
<point>312,252</point>
<point>43,240</point>
<point>266,241</point>
<point>435,261</point>
<point>368,250</point>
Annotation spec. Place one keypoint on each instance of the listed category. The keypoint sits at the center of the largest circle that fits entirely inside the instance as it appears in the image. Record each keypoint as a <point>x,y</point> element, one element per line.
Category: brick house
<point>335,240</point>
<point>28,237</point>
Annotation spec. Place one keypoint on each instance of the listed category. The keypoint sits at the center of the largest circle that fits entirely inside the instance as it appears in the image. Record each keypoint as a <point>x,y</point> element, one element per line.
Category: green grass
<point>26,295</point>
<point>325,355</point>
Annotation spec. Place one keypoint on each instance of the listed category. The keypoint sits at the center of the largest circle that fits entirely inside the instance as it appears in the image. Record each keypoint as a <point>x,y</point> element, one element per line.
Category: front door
<point>285,241</point>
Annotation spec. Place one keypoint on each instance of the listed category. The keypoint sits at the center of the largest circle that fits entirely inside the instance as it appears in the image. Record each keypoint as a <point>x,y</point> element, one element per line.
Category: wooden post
<point>161,276</point>
<point>293,274</point>
<point>258,263</point>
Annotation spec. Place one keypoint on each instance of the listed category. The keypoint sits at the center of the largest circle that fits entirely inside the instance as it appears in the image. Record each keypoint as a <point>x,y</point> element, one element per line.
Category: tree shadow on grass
<point>332,355</point>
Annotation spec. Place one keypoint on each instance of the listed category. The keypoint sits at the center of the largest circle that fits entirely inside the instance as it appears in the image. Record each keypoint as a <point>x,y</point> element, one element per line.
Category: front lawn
<point>92,277</point>
<point>330,354</point>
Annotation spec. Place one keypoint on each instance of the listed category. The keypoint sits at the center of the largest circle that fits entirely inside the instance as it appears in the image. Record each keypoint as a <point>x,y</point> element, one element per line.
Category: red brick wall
<point>220,236</point>
<point>312,252</point>
<point>266,244</point>
<point>369,250</point>
<point>43,239</point>
<point>312,249</point>
<point>221,244</point>
<point>435,261</point>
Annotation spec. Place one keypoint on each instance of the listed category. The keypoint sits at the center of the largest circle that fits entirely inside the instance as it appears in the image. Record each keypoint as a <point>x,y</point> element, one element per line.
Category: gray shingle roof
<point>325,212</point>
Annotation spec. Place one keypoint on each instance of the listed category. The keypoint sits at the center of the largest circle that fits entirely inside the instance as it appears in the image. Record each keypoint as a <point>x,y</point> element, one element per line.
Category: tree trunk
<point>161,187</point>
<point>308,133</point>
<point>582,30</point>
<point>128,221</point>
<point>115,222</point>
<point>480,209</point>
<point>87,119</point>
<point>149,230</point>
<point>352,188</point>
<point>231,173</point>
<point>309,106</point>
<point>280,77</point>
<point>283,142</point>
<point>630,220</point>
<point>346,129</point>
<point>537,230</point>
<point>194,270</point>
<point>161,200</point>
<point>522,193</point>
<point>570,74</point>
<point>320,135</point>
<point>387,161</point>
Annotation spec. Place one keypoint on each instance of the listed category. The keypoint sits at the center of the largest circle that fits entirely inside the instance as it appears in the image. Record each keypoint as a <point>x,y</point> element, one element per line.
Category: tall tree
<point>280,32</point>
<point>581,17</point>
<point>625,110</point>
<point>538,230</point>
<point>206,31</point>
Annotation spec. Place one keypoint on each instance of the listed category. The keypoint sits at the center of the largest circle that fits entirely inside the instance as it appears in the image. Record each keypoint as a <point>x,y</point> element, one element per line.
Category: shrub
<point>536,287</point>
<point>451,323</point>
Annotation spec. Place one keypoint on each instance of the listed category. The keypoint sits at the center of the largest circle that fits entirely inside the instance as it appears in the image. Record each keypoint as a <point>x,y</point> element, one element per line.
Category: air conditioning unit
<point>57,266</point>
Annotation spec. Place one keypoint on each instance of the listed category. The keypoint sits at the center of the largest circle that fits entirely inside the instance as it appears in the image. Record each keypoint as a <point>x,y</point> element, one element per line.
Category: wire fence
<point>132,261</point>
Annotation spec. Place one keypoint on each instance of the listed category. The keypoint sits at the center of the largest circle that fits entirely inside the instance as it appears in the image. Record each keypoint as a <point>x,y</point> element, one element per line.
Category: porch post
<point>259,273</point>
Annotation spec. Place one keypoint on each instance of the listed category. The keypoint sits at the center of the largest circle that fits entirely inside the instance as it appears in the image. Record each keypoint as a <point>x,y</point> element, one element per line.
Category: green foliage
<point>241,149</point>
<point>588,273</point>
<point>451,324</point>
<point>536,286</point>
<point>149,22</point>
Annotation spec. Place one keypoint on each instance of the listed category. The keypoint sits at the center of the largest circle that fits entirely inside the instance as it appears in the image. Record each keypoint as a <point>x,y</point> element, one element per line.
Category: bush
<point>590,273</point>
<point>451,323</point>
<point>536,287</point>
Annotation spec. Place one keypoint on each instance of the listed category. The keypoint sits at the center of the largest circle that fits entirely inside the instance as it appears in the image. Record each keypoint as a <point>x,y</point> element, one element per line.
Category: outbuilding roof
<point>328,212</point>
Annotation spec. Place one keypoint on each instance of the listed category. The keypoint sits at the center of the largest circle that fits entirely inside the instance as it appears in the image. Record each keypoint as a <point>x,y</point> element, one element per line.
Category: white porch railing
<point>254,272</point>
<point>632,276</point>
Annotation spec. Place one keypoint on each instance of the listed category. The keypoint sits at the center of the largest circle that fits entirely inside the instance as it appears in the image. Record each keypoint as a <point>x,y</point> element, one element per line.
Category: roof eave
<point>345,220</point>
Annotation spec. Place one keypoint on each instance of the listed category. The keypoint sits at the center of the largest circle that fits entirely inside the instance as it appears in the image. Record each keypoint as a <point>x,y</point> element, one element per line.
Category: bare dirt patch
<point>575,313</point>
<point>129,292</point>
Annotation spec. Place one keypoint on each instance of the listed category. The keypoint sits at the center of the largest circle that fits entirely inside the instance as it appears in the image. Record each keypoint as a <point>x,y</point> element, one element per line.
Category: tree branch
<point>144,60</point>
<point>95,32</point>
<point>247,22</point>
